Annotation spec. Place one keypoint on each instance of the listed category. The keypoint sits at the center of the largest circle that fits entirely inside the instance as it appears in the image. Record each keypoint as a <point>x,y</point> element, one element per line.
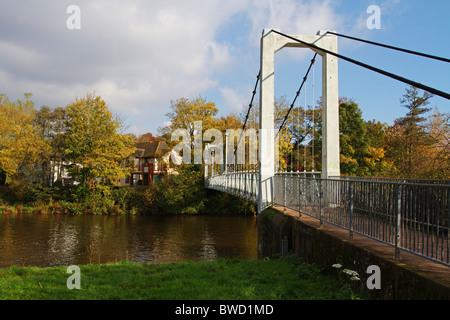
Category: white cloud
<point>234,101</point>
<point>390,9</point>
<point>293,17</point>
<point>139,55</point>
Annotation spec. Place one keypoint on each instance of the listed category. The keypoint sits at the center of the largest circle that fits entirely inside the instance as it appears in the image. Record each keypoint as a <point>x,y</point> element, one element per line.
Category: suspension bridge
<point>410,215</point>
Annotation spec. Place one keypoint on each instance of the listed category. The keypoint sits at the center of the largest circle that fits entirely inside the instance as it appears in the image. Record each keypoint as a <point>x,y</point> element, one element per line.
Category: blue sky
<point>140,55</point>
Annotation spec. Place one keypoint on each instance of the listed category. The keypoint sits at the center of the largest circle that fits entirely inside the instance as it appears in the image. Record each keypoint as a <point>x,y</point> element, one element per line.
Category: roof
<point>151,149</point>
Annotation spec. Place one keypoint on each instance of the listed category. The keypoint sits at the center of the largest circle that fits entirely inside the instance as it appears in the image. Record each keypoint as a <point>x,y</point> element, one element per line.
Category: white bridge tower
<point>272,42</point>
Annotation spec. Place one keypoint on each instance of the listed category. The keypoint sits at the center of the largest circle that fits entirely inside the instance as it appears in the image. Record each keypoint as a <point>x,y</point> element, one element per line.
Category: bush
<point>125,198</point>
<point>183,193</point>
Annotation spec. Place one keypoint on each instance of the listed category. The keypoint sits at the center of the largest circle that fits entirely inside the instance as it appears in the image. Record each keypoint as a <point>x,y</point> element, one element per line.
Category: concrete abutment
<point>409,278</point>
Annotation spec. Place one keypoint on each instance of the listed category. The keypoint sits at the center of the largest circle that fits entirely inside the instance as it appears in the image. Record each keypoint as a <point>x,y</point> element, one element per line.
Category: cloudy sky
<point>139,55</point>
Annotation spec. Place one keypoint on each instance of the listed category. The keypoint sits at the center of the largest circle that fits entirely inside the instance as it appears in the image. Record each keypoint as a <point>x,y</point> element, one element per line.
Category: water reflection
<point>51,240</point>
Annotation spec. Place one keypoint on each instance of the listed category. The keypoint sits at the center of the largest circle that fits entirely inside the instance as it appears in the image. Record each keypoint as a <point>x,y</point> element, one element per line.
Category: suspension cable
<point>248,111</point>
<point>298,137</point>
<point>305,128</point>
<point>251,102</point>
<point>391,47</point>
<point>298,92</point>
<point>313,123</point>
<point>361,64</point>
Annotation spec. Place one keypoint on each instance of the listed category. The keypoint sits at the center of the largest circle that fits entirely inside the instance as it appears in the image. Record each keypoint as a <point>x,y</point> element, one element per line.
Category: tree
<point>147,137</point>
<point>376,161</point>
<point>94,142</point>
<point>353,139</point>
<point>183,115</point>
<point>414,135</point>
<point>362,144</point>
<point>310,136</point>
<point>437,153</point>
<point>376,132</point>
<point>285,135</point>
<point>51,124</point>
<point>394,148</point>
<point>184,112</point>
<point>21,144</point>
<point>230,121</point>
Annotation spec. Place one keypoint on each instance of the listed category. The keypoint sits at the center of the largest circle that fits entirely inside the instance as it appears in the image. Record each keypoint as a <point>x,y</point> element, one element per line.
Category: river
<point>60,240</point>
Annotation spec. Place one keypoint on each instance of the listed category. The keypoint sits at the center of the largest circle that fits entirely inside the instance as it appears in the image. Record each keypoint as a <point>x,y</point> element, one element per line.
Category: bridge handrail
<point>412,217</point>
<point>400,180</point>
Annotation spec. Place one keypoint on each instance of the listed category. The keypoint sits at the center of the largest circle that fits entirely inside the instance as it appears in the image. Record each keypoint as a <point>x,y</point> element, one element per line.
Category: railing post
<point>284,192</point>
<point>299,197</point>
<point>320,201</point>
<point>398,221</point>
<point>350,191</point>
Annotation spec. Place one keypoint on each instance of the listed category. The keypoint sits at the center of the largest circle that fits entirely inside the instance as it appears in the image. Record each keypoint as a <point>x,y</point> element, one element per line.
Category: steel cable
<point>361,64</point>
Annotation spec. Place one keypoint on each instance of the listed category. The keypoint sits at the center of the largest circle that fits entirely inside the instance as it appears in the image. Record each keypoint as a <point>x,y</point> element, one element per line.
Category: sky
<point>140,55</point>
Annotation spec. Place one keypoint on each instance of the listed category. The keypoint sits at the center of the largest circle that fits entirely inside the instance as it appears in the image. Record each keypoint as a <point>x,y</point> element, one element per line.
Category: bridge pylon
<point>271,43</point>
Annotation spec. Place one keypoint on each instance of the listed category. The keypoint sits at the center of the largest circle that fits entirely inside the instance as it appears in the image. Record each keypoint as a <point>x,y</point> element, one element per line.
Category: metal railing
<point>242,184</point>
<point>408,216</point>
<point>400,180</point>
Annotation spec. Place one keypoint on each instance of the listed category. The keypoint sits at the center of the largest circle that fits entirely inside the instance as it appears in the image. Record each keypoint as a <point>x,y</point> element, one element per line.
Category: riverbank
<point>184,193</point>
<point>222,279</point>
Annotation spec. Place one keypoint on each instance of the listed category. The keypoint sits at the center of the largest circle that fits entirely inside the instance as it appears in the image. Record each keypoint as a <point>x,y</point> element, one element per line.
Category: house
<point>148,164</point>
<point>48,173</point>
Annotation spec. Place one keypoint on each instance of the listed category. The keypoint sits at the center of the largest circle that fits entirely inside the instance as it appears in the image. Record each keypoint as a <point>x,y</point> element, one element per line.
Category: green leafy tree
<point>94,142</point>
<point>354,143</point>
<point>376,161</point>
<point>362,144</point>
<point>376,132</point>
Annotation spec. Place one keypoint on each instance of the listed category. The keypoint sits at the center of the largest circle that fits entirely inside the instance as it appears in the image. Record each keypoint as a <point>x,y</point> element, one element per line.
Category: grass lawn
<point>222,279</point>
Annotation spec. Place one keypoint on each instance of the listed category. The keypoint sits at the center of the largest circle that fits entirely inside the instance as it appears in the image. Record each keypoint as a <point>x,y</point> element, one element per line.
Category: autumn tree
<point>439,151</point>
<point>184,112</point>
<point>21,144</point>
<point>284,128</point>
<point>51,125</point>
<point>436,153</point>
<point>230,121</point>
<point>362,150</point>
<point>95,143</point>
<point>376,132</point>
<point>376,161</point>
<point>408,136</point>
<point>146,137</point>
<point>413,124</point>
<point>308,137</point>
<point>394,149</point>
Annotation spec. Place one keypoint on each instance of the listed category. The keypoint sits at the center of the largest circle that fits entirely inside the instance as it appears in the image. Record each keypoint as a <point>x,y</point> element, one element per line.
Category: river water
<point>61,240</point>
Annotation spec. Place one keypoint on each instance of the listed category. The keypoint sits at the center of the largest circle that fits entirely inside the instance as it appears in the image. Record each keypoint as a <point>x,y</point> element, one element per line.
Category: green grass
<point>222,279</point>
